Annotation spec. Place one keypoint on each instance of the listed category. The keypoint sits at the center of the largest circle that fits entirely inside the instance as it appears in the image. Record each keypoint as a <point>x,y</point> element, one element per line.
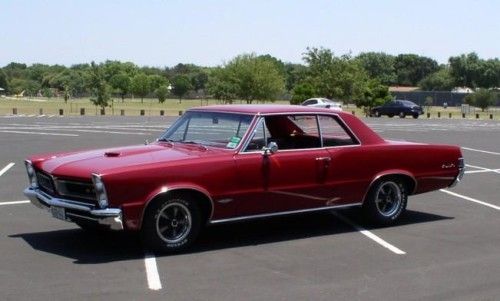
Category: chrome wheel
<point>174,222</point>
<point>388,198</point>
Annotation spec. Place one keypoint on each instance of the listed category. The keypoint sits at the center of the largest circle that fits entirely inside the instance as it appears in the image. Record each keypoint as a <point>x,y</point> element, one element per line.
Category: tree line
<point>361,79</point>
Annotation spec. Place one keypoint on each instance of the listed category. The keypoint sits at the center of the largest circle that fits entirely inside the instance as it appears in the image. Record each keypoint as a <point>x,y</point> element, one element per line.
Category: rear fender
<point>392,172</point>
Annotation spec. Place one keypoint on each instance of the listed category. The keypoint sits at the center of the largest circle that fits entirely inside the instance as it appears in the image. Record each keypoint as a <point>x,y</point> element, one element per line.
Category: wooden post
<point>82,111</point>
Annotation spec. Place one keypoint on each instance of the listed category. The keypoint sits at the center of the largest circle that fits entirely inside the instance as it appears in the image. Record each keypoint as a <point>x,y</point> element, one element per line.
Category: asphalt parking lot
<point>447,246</point>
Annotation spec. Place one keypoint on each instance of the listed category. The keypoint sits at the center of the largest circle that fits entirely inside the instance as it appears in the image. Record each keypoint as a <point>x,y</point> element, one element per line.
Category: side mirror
<point>270,149</point>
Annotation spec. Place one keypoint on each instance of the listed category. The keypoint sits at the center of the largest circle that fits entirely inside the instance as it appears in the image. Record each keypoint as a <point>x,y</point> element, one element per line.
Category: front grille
<point>81,191</point>
<point>45,182</point>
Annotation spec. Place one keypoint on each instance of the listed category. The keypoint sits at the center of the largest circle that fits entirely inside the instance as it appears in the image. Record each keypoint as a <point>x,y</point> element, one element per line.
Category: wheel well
<point>408,181</point>
<point>202,200</point>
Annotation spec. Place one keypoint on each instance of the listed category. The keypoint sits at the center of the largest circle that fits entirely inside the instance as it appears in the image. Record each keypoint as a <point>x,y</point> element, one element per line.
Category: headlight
<point>31,174</point>
<point>100,191</point>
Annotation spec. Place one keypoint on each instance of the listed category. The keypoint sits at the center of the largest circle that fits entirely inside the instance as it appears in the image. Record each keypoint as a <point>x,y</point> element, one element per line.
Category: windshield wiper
<point>166,140</point>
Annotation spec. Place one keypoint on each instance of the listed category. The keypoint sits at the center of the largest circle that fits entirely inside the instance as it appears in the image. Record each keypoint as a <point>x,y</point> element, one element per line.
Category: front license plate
<point>58,212</point>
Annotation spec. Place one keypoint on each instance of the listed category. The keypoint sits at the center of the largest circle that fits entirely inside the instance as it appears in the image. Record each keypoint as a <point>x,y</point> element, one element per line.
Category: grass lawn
<point>171,107</point>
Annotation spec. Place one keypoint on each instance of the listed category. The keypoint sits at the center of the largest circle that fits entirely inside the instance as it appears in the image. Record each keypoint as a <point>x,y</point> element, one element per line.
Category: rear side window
<point>334,133</point>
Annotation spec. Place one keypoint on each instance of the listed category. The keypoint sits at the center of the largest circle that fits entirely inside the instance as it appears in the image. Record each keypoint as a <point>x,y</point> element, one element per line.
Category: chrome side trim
<point>257,216</point>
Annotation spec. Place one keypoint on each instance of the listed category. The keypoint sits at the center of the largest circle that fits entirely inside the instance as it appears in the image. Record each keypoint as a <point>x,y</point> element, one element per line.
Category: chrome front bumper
<point>111,217</point>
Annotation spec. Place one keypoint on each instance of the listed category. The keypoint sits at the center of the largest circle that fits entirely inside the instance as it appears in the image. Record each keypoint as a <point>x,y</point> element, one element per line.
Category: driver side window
<point>260,137</point>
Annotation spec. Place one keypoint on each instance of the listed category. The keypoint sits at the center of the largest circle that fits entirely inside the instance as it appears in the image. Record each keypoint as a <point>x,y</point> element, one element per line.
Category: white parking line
<point>370,235</point>
<point>40,133</point>
<point>481,169</point>
<point>14,203</point>
<point>480,150</point>
<point>6,168</point>
<point>153,277</point>
<point>470,199</point>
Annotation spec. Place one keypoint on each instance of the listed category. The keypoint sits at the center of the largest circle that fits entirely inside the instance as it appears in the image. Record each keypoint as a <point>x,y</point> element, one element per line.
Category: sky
<point>209,33</point>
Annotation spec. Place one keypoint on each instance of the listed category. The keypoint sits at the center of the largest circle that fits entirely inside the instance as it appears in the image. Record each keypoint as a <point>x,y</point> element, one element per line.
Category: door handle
<point>325,159</point>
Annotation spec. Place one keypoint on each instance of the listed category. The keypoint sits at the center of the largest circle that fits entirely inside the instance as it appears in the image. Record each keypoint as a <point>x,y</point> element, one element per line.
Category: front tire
<point>415,116</point>
<point>386,201</point>
<point>171,225</point>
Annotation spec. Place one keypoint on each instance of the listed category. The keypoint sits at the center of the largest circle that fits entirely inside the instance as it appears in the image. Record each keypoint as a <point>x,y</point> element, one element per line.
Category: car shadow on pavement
<point>294,227</point>
<point>102,247</point>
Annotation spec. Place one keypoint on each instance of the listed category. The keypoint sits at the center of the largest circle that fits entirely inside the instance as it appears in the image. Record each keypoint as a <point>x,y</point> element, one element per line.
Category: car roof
<point>266,109</point>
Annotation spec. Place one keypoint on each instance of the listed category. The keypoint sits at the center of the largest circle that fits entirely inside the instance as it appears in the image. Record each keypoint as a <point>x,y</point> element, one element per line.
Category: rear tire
<point>171,225</point>
<point>390,115</point>
<point>386,201</point>
<point>377,114</point>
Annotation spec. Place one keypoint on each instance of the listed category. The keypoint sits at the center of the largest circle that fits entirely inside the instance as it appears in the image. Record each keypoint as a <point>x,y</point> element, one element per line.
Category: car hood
<point>81,165</point>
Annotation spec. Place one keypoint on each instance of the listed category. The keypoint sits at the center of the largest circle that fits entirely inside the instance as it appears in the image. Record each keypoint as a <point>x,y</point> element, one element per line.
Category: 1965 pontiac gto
<point>221,164</point>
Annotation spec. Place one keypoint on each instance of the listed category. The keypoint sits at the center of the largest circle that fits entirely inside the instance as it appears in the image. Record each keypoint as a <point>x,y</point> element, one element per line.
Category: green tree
<point>302,92</point>
<point>156,81</point>
<point>100,89</point>
<point>490,73</point>
<point>465,69</point>
<point>482,98</point>
<point>181,86</point>
<point>335,77</point>
<point>375,94</point>
<point>121,83</point>
<point>255,78</point>
<point>47,92</point>
<point>379,65</point>
<point>4,83</point>
<point>30,87</point>
<point>161,93</point>
<point>437,81</point>
<point>294,74</point>
<point>199,80</point>
<point>221,86</point>
<point>412,68</point>
<point>68,81</point>
<point>141,85</point>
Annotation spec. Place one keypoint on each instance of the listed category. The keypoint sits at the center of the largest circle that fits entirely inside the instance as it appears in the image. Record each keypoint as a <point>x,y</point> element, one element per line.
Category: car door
<point>290,179</point>
<point>343,180</point>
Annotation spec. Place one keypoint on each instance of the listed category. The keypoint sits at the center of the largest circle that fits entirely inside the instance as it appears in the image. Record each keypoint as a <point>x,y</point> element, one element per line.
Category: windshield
<point>408,103</point>
<point>224,130</point>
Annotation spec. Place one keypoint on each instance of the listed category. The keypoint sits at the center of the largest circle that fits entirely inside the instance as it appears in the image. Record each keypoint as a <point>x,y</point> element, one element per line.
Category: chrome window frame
<point>251,131</point>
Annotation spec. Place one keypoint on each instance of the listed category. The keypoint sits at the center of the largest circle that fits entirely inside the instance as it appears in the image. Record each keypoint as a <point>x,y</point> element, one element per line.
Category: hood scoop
<point>112,154</point>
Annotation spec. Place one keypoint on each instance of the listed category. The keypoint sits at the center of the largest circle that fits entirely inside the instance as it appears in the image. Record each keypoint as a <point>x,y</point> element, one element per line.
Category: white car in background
<point>322,103</point>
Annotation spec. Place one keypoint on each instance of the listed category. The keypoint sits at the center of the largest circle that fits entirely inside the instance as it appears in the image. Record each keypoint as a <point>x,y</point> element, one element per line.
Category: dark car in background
<point>402,108</point>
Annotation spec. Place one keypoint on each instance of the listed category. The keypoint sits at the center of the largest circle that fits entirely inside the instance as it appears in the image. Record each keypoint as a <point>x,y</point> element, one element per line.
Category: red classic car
<point>221,164</point>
